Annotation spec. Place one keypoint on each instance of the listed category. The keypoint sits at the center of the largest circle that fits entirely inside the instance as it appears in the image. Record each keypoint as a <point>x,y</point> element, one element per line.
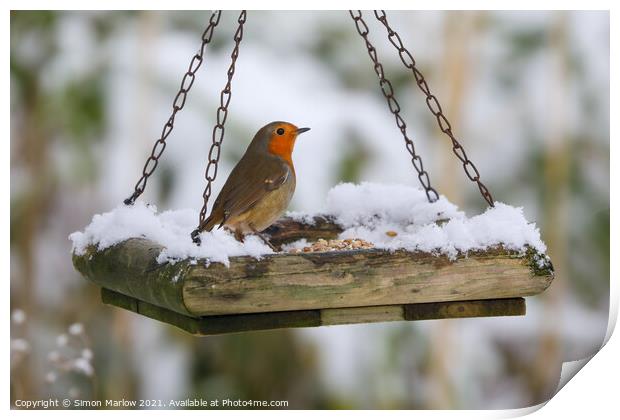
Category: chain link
<point>388,92</point>
<point>177,104</point>
<point>433,105</point>
<point>218,129</point>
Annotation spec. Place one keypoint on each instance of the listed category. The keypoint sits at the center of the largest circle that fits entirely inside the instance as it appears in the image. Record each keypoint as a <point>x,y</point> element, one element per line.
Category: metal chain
<point>433,105</point>
<point>177,105</point>
<point>218,129</point>
<point>388,92</point>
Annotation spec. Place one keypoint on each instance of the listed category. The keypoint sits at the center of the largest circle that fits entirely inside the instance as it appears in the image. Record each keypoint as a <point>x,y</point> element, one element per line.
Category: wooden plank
<point>363,314</point>
<point>292,282</point>
<point>470,309</point>
<point>287,230</point>
<point>357,278</point>
<point>218,324</point>
<point>131,268</point>
<point>222,324</point>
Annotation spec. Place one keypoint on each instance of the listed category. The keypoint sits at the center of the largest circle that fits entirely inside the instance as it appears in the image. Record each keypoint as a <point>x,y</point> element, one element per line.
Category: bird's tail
<point>209,224</point>
<point>205,226</point>
<point>215,218</point>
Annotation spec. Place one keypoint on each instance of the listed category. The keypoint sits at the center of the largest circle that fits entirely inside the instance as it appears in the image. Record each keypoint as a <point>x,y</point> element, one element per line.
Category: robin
<point>260,186</point>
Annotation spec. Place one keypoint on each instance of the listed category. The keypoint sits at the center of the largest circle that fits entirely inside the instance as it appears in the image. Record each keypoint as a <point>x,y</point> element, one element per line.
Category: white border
<point>591,393</point>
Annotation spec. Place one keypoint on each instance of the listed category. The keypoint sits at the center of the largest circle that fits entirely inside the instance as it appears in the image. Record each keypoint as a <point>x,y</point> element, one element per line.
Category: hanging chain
<point>433,105</point>
<point>388,92</point>
<point>218,129</point>
<point>177,105</point>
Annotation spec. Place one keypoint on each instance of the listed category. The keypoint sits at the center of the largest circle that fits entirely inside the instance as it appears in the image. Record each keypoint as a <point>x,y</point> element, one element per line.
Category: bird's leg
<point>237,233</point>
<point>264,239</point>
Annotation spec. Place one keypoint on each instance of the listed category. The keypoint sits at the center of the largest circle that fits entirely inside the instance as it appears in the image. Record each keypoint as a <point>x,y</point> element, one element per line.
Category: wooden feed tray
<point>312,289</point>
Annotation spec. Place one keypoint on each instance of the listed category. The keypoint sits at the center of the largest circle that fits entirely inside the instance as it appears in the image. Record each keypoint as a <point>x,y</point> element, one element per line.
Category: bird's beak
<point>302,130</point>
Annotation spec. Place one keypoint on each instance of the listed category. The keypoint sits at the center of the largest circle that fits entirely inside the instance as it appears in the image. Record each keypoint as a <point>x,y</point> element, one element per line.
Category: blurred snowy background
<point>526,92</point>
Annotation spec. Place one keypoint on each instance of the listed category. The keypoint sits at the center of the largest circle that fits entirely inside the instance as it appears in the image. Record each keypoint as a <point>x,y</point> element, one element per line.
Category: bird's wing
<point>246,185</point>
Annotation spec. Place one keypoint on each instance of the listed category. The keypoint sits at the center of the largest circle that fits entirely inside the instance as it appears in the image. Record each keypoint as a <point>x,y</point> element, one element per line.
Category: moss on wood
<point>131,268</point>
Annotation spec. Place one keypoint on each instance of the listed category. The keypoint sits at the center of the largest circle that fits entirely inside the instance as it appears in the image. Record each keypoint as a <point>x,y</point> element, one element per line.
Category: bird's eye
<point>280,131</point>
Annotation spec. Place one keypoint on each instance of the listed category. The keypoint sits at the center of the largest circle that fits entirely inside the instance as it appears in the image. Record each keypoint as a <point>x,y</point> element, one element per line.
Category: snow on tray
<point>171,229</point>
<point>366,211</point>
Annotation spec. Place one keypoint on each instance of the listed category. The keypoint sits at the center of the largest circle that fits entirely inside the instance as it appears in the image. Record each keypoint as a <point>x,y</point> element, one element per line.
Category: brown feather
<point>250,180</point>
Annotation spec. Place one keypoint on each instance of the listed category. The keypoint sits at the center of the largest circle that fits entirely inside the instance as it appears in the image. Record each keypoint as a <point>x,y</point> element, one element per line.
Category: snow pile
<point>171,229</point>
<point>390,216</point>
<point>368,203</point>
<point>368,211</point>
